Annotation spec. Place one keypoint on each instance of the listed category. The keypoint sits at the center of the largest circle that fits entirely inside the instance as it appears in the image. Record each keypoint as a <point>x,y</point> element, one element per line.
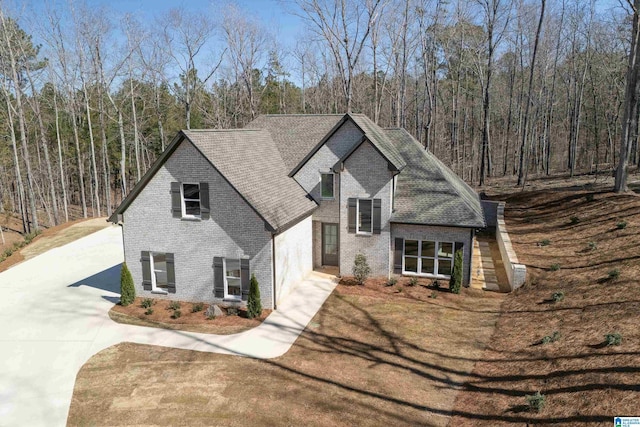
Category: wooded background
<point>491,87</point>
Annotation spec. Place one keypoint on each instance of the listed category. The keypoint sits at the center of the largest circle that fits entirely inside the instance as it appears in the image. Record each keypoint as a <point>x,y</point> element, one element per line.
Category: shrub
<point>254,305</point>
<point>413,281</point>
<point>398,289</point>
<point>7,253</point>
<point>545,242</point>
<point>551,338</point>
<point>574,220</point>
<point>127,290</point>
<point>149,311</point>
<point>557,296</point>
<point>456,277</point>
<point>29,237</point>
<point>613,274</point>
<point>232,311</point>
<point>433,295</point>
<point>555,267</point>
<point>621,225</point>
<point>174,305</point>
<point>613,339</point>
<point>435,284</point>
<point>197,307</point>
<point>176,314</point>
<point>146,303</point>
<point>589,197</point>
<point>392,281</point>
<point>361,269</point>
<point>593,246</point>
<point>536,401</point>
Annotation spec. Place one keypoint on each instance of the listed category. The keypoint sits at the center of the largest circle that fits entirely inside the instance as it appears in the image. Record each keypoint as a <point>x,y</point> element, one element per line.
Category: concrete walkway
<point>53,318</point>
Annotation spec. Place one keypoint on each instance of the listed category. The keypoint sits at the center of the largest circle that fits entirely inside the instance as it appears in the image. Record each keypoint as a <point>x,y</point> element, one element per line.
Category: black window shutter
<point>146,270</point>
<point>397,255</point>
<point>218,277</point>
<point>351,215</point>
<point>377,207</point>
<point>244,278</point>
<point>176,200</point>
<point>171,274</point>
<point>204,200</point>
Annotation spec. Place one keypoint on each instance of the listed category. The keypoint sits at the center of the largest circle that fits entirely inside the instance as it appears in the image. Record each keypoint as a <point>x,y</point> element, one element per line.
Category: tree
<point>361,269</point>
<point>127,290</point>
<point>254,304</point>
<point>456,277</point>
<point>630,119</point>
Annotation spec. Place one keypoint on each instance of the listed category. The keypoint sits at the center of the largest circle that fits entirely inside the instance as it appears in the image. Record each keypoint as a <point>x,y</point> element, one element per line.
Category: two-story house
<point>286,194</point>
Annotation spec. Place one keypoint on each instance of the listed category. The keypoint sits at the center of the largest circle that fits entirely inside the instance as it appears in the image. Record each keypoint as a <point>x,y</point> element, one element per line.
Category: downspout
<point>273,262</point>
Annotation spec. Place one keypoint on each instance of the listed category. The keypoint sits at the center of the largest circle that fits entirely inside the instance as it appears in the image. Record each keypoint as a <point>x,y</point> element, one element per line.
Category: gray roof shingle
<point>380,139</point>
<point>250,161</point>
<point>295,135</point>
<point>428,192</point>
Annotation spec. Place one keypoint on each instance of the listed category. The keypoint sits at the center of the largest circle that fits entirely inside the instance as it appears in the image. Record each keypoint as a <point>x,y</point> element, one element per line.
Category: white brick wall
<point>293,254</point>
<point>234,230</point>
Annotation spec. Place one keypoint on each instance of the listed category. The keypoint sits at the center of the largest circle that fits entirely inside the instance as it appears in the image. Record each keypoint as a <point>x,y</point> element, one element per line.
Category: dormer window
<point>327,181</point>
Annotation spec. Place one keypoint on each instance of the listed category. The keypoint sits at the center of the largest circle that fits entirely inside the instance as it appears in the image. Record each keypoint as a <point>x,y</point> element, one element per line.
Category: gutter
<point>273,267</point>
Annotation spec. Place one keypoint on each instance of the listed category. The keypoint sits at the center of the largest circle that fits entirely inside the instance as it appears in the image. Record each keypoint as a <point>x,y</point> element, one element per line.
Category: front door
<point>330,245</point>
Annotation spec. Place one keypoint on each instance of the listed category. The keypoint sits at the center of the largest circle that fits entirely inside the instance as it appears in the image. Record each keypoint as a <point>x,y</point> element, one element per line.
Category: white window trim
<point>227,296</point>
<point>420,257</point>
<point>154,285</point>
<point>358,231</point>
<point>333,176</point>
<point>183,200</point>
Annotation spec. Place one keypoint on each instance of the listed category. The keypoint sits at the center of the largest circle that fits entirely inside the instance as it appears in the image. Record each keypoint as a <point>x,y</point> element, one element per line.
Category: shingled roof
<point>296,135</point>
<point>251,163</point>
<point>428,192</point>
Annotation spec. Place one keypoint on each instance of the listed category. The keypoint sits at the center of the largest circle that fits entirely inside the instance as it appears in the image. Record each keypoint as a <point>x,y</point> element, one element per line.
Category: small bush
<point>176,314</point>
<point>613,274</point>
<point>555,267</point>
<point>456,277</point>
<point>392,281</point>
<point>174,305</point>
<point>254,305</point>
<point>146,303</point>
<point>435,284</point>
<point>557,296</point>
<point>551,338</point>
<point>593,246</point>
<point>536,401</point>
<point>613,339</point>
<point>433,295</point>
<point>545,242</point>
<point>197,307</point>
<point>7,253</point>
<point>574,220</point>
<point>232,311</point>
<point>361,269</point>
<point>149,311</point>
<point>127,290</point>
<point>413,281</point>
<point>621,225</point>
<point>589,197</point>
<point>398,289</point>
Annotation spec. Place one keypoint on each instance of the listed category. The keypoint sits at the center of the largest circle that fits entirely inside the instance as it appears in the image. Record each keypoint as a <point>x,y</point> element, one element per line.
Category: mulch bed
<point>189,320</point>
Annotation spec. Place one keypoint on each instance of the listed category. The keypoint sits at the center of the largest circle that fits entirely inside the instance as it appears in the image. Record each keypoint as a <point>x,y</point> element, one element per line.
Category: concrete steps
<point>483,274</point>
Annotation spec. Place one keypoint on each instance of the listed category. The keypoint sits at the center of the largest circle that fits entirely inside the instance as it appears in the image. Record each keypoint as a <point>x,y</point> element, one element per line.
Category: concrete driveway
<point>53,318</point>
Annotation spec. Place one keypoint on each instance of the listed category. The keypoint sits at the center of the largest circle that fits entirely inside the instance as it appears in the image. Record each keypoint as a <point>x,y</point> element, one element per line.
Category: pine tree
<point>254,306</point>
<point>456,278</point>
<point>127,290</point>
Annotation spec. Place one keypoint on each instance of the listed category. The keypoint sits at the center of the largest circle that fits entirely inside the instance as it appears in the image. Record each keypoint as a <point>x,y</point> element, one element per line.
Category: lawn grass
<point>369,357</point>
<point>584,382</point>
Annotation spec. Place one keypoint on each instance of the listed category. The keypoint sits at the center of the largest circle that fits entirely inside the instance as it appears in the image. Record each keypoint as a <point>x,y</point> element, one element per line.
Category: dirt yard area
<point>373,355</point>
<point>583,242</point>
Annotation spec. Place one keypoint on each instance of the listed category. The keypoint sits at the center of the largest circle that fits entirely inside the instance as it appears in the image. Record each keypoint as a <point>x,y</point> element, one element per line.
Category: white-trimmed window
<point>427,258</point>
<point>364,216</point>
<point>232,279</point>
<point>190,193</point>
<point>327,185</point>
<point>158,262</point>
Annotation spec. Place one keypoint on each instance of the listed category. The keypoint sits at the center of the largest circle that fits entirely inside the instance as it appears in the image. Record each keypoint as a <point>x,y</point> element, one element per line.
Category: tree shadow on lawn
<point>398,353</point>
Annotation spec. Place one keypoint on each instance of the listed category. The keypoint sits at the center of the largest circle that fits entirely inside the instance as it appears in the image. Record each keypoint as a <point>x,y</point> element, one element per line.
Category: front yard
<point>373,355</point>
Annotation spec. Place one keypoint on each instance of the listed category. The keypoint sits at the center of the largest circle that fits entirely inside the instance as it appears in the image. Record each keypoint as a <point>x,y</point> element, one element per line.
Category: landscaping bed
<point>161,313</point>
